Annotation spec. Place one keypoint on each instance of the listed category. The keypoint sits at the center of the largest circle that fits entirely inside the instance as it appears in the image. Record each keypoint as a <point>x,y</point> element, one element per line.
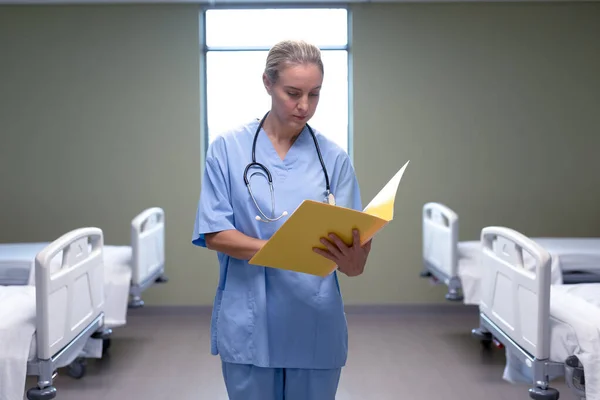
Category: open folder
<point>291,247</point>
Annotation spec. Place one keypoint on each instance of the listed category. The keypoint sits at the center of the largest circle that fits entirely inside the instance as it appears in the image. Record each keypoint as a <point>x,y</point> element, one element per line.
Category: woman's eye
<point>293,94</point>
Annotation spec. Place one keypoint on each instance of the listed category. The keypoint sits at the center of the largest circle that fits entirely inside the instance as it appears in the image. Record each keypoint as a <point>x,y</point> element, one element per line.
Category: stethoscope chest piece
<point>331,199</point>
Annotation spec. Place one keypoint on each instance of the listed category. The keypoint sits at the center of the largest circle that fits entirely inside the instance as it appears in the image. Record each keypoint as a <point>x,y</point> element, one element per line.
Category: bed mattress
<point>574,254</point>
<point>17,260</point>
<point>574,330</point>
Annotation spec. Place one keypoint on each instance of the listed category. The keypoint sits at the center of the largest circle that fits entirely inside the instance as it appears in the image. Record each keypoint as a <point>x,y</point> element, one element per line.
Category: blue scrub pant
<point>248,382</point>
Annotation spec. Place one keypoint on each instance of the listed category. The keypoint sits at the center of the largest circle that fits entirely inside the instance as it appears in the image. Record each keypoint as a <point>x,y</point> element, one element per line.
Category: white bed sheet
<point>574,330</point>
<point>117,280</point>
<point>469,272</point>
<point>18,341</point>
<point>18,259</point>
<point>17,338</point>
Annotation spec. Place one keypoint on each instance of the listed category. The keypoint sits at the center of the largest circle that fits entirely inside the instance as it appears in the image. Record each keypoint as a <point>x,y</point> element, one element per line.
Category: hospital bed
<point>547,330</point>
<point>129,270</point>
<point>147,253</point>
<point>57,322</point>
<point>456,264</point>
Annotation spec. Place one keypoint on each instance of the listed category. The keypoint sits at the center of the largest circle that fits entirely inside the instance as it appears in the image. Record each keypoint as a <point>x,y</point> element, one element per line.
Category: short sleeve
<point>346,189</point>
<point>214,212</point>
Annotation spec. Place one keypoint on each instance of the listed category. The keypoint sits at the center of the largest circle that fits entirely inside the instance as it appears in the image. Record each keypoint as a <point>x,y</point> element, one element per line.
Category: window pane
<point>265,27</point>
<point>235,92</point>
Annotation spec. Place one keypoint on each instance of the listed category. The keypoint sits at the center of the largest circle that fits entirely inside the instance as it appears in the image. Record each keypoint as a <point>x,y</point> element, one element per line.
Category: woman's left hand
<point>351,259</point>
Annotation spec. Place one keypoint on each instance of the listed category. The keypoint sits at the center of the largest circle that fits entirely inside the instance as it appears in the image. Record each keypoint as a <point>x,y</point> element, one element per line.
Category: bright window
<point>236,46</point>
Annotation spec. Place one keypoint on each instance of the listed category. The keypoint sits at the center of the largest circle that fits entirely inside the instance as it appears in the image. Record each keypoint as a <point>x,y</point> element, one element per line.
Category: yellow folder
<point>291,247</point>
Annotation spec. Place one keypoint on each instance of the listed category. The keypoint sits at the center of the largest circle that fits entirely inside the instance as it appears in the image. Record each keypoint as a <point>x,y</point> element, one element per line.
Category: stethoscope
<point>329,198</point>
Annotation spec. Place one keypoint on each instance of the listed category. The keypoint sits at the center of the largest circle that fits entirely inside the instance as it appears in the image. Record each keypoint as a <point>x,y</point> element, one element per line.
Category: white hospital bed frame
<point>75,291</point>
<point>148,253</point>
<point>507,287</point>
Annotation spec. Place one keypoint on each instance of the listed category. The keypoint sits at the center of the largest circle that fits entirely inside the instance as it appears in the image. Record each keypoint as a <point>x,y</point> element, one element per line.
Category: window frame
<point>204,49</point>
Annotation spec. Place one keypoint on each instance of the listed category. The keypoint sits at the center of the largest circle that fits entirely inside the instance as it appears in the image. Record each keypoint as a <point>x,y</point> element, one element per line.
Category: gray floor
<point>393,355</point>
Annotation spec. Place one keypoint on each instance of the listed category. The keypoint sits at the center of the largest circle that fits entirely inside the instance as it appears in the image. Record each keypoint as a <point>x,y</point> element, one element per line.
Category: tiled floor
<point>393,356</point>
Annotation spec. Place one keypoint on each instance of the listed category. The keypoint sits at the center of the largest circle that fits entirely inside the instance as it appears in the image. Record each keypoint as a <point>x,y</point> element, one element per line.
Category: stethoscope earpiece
<point>329,198</point>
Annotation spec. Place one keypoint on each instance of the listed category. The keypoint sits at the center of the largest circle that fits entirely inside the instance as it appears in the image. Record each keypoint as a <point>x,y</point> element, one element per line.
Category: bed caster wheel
<point>482,335</point>
<point>104,334</point>
<point>162,279</point>
<point>544,394</point>
<point>485,338</point>
<point>46,393</point>
<point>575,369</point>
<point>136,302</point>
<point>454,296</point>
<point>76,369</point>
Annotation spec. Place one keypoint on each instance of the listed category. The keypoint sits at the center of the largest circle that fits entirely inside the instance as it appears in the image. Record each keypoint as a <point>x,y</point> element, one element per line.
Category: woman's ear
<point>267,83</point>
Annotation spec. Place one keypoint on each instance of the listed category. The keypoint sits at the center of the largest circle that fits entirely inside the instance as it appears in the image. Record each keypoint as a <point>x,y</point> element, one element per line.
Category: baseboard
<point>379,309</point>
<point>151,310</point>
<point>406,309</point>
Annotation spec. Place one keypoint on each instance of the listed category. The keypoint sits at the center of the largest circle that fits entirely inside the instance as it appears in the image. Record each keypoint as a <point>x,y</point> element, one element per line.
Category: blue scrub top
<point>265,316</point>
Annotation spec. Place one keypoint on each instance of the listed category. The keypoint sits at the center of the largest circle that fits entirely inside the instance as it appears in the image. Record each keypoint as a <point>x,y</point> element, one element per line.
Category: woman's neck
<point>278,133</point>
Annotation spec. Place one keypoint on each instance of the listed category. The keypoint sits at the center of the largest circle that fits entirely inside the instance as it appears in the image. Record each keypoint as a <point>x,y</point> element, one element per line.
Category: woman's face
<point>295,95</point>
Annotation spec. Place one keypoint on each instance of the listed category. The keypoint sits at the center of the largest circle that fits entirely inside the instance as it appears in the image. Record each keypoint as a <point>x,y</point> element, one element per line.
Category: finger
<point>367,246</point>
<point>325,254</point>
<point>333,249</point>
<point>339,244</point>
<point>356,237</point>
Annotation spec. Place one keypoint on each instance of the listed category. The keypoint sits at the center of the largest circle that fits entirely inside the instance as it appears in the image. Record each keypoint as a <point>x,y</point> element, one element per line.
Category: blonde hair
<point>291,52</point>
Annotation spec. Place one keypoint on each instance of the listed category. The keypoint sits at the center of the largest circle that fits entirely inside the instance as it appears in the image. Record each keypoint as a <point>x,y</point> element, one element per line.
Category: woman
<point>280,334</point>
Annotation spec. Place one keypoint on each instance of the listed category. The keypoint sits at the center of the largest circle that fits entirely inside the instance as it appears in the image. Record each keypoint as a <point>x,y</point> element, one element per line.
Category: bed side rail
<point>148,244</point>
<point>515,299</point>
<point>69,291</point>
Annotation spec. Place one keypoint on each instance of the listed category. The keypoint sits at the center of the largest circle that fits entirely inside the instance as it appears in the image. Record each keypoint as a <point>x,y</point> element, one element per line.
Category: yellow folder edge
<point>291,247</point>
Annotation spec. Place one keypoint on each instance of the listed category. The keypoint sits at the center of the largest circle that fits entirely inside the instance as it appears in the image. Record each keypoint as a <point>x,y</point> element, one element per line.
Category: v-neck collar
<point>292,154</point>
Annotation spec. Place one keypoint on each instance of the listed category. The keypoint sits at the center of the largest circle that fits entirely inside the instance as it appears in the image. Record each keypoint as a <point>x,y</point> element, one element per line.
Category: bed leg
<point>454,290</point>
<point>542,389</point>
<point>44,390</point>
